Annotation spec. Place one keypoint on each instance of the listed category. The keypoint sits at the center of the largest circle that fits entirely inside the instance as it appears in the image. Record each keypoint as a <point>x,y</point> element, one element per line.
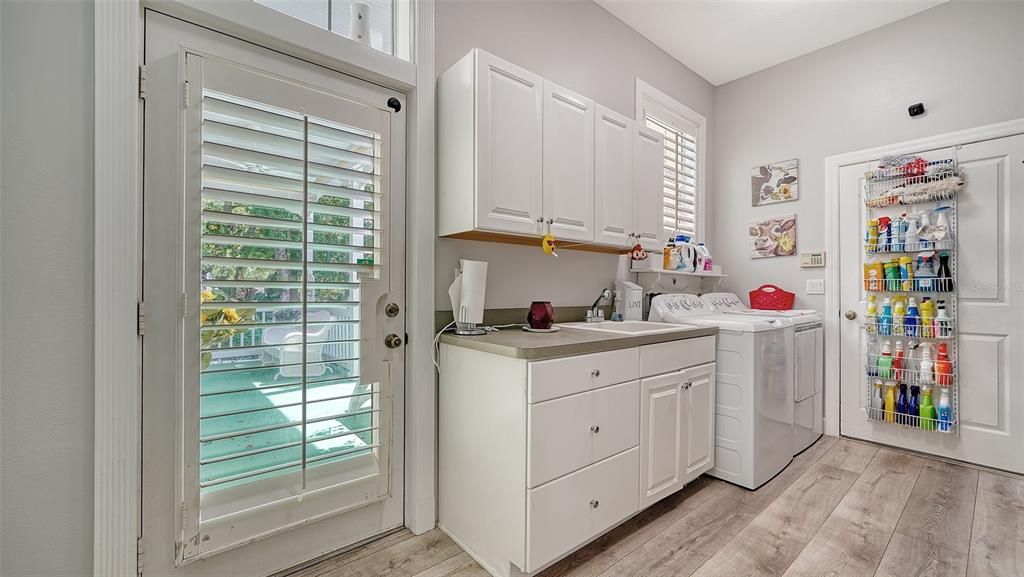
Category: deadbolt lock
<point>392,310</point>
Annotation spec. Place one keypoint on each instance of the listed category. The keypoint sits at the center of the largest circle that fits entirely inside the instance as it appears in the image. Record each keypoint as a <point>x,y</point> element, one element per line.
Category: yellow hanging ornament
<point>547,244</point>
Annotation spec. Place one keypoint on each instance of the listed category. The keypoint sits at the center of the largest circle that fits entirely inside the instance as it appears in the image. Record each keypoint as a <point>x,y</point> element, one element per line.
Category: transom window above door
<point>337,16</point>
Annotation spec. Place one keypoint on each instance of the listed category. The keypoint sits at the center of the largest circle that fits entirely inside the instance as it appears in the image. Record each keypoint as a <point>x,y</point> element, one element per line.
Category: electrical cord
<point>437,337</point>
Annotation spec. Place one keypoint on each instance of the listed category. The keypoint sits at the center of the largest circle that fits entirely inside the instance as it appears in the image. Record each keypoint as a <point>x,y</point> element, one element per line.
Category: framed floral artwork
<point>772,237</point>
<point>776,182</point>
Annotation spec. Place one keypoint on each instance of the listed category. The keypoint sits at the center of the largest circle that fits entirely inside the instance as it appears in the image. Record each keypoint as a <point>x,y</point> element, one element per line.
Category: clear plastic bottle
<point>945,410</point>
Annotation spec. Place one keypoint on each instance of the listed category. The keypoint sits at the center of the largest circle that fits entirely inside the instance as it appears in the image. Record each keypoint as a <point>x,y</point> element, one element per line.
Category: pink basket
<point>769,297</point>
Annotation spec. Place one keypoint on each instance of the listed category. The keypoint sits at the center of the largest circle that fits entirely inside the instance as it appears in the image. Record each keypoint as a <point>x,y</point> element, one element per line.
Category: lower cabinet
<point>676,430</point>
<point>537,458</point>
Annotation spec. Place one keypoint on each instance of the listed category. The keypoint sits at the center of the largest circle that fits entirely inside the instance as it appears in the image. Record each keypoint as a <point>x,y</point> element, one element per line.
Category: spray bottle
<point>885,361</point>
<point>927,411</point>
<point>913,319</point>
<point>943,367</point>
<point>927,324</point>
<point>945,410</point>
<point>943,327</point>
<point>885,319</point>
<point>914,408</point>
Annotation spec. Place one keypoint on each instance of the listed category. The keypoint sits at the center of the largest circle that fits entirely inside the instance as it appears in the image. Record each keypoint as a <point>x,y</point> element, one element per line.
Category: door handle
<point>850,314</point>
<point>595,429</point>
<point>392,341</point>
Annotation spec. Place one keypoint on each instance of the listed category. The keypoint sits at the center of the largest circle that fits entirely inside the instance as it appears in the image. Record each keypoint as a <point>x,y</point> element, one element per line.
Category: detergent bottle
<point>890,401</point>
<point>900,226</point>
<point>945,410</point>
<point>899,313</point>
<point>927,410</point>
<point>926,327</point>
<point>871,316</point>
<point>914,407</point>
<point>885,361</point>
<point>703,258</point>
<point>906,273</point>
<point>912,321</point>
<point>687,254</point>
<point>943,367</point>
<point>670,258</point>
<point>926,272</point>
<point>885,319</point>
<point>884,234</point>
<point>911,241</point>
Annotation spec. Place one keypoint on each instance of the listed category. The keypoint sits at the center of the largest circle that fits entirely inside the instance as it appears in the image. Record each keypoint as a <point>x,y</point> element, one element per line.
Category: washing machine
<point>753,388</point>
<point>808,364</point>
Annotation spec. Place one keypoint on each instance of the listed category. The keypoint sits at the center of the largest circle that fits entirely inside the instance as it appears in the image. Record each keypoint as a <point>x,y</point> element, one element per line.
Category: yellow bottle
<point>890,401</point>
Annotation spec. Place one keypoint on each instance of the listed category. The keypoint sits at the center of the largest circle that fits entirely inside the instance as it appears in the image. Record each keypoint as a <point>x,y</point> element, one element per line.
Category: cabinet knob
<point>595,429</point>
<point>595,372</point>
<point>541,219</point>
<point>595,503</point>
<point>551,221</point>
<point>686,385</point>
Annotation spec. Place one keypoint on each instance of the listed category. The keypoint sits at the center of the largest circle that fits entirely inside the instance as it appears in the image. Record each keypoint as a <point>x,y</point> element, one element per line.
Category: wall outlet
<point>815,286</point>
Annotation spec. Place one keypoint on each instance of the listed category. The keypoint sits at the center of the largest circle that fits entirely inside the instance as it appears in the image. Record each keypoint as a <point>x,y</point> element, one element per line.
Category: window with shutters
<point>683,165</point>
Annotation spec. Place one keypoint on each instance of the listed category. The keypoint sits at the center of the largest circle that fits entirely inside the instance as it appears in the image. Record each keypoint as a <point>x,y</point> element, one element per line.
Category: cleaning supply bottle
<point>926,325</point>
<point>943,367</point>
<point>872,352</point>
<point>899,313</point>
<point>885,319</point>
<point>943,327</point>
<point>871,317</point>
<point>897,363</point>
<point>891,270</point>
<point>926,372</point>
<point>872,236</point>
<point>913,319</point>
<point>669,257</point>
<point>884,234</point>
<point>877,400</point>
<point>911,241</point>
<point>890,401</point>
<point>902,406</point>
<point>924,242</point>
<point>945,410</point>
<point>900,225</point>
<point>927,410</point>
<point>906,273</point>
<point>703,257</point>
<point>945,274</point>
<point>925,274</point>
<point>885,361</point>
<point>914,406</point>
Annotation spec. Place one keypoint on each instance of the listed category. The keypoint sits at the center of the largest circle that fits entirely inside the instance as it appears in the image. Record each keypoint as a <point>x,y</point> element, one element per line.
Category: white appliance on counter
<point>467,295</point>
<point>753,388</point>
<point>808,363</point>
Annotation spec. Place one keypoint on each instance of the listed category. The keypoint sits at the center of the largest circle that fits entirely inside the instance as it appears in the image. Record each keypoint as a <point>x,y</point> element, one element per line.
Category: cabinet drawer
<point>561,377</point>
<point>572,432</point>
<point>675,355</point>
<point>570,511</point>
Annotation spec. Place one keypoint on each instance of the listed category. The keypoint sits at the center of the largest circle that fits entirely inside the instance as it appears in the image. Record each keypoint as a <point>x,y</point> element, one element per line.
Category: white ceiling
<point>723,40</point>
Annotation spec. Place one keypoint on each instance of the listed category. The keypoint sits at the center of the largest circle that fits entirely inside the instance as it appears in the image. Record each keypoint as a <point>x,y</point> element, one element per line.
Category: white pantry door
<point>990,319</point>
<point>274,292</point>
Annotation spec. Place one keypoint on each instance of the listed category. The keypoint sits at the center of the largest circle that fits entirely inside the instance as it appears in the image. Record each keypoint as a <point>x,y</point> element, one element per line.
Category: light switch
<point>815,286</point>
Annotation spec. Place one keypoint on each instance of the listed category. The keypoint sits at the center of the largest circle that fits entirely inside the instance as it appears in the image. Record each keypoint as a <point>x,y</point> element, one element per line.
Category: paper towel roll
<point>468,291</point>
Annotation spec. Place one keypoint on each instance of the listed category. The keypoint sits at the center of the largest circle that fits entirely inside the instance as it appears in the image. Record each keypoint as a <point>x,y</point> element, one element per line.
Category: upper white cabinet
<point>648,183</point>
<point>518,154</point>
<point>490,121</point>
<point>568,164</point>
<point>613,183</point>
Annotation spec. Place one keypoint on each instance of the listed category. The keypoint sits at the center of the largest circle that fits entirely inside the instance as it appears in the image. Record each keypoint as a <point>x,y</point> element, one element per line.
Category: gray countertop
<point>519,344</point>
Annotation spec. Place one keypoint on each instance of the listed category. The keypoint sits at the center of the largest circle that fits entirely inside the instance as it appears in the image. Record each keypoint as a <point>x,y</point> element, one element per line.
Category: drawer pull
<point>595,372</point>
<point>595,429</point>
<point>595,503</point>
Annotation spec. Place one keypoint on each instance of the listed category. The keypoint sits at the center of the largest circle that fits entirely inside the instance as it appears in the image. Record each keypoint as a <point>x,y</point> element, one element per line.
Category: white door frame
<point>118,27</point>
<point>833,164</point>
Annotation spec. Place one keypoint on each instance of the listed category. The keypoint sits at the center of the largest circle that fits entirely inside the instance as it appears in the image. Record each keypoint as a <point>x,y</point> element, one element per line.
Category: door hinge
<point>140,556</point>
<point>184,92</point>
<point>140,321</point>
<point>184,305</point>
<point>142,82</point>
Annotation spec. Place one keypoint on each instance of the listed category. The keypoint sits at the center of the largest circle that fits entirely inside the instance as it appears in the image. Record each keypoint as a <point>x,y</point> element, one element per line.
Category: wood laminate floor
<point>842,508</point>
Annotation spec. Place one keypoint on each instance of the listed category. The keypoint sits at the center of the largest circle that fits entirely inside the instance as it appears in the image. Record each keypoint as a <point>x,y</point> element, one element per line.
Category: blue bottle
<point>912,321</point>
<point>885,319</point>
<point>945,411</point>
<point>903,406</point>
<point>914,406</point>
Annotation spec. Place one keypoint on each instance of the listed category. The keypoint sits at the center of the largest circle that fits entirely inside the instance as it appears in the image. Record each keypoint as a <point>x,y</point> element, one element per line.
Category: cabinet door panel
<point>560,439</point>
<point>613,183</point>
<point>568,162</point>
<point>700,420</point>
<point>509,146</point>
<point>648,188</point>
<point>663,442</point>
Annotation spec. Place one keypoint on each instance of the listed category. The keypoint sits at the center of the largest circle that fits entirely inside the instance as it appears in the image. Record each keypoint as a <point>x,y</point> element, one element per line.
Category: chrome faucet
<point>592,313</point>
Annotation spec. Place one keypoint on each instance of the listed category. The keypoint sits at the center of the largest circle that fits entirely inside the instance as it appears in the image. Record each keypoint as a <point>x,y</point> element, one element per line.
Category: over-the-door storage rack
<point>890,191</point>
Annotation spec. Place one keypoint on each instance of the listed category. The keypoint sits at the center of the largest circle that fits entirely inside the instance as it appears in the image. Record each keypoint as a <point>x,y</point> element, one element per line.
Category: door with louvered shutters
<point>274,259</point>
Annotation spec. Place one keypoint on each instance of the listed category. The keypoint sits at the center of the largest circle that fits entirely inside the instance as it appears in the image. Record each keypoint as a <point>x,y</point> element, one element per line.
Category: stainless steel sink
<point>629,327</point>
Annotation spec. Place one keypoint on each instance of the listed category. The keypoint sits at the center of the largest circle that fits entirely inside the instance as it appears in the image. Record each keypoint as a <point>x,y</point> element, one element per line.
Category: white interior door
<point>990,315</point>
<point>274,219</point>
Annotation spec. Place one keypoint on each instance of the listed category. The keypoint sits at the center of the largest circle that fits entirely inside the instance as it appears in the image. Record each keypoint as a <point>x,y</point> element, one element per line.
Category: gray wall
<point>46,404</point>
<point>582,47</point>
<point>964,60</point>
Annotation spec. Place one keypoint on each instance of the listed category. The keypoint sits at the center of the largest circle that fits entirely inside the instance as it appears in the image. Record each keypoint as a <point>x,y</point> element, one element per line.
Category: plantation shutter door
<point>285,416</point>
